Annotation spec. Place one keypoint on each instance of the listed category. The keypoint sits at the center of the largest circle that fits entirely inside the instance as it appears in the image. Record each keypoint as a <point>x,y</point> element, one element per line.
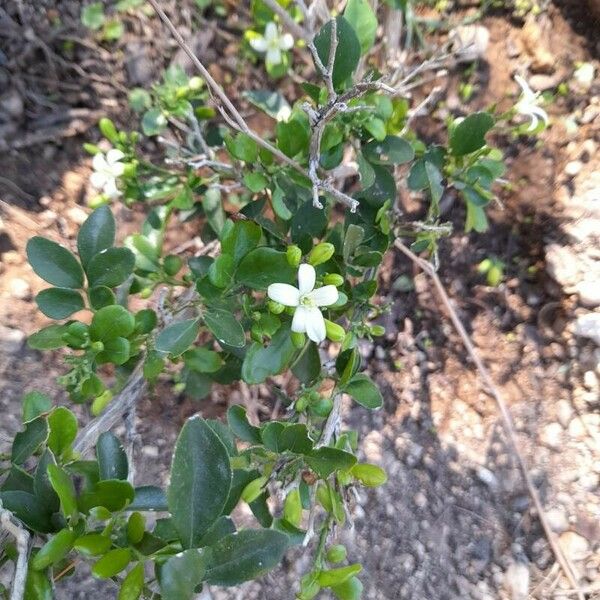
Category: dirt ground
<point>455,520</point>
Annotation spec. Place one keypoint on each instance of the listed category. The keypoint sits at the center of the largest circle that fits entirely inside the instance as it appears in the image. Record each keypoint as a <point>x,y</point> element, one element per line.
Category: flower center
<point>307,301</point>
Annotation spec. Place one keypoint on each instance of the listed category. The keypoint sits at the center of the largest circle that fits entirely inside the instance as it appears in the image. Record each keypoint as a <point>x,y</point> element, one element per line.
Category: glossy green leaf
<point>176,338</point>
<point>64,488</point>
<point>133,584</point>
<point>112,563</point>
<point>111,456</point>
<point>220,272</point>
<point>101,296</point>
<point>324,461</point>
<point>351,589</point>
<point>203,360</point>
<point>34,404</point>
<point>96,234</point>
<point>59,303</point>
<point>149,498</point>
<point>271,102</point>
<point>308,367</point>
<point>392,150</point>
<point>26,442</point>
<point>364,22</point>
<point>153,122</point>
<point>42,487</point>
<point>260,362</point>
<point>54,263</point>
<point>200,481</point>
<point>347,52</point>
<point>337,576</point>
<point>54,550</point>
<point>242,147</point>
<point>180,575</point>
<point>111,322</point>
<point>369,475</point>
<point>469,135</point>
<point>213,208</point>
<point>18,480</point>
<point>113,494</point>
<point>240,239</point>
<point>239,424</point>
<point>93,544</point>
<point>244,555</point>
<point>294,438</point>
<point>38,586</point>
<point>29,509</point>
<point>48,338</point>
<point>111,267</point>
<point>136,527</point>
<point>223,526</point>
<point>63,430</point>
<point>264,266</point>
<point>364,391</point>
<point>116,350</point>
<point>225,327</point>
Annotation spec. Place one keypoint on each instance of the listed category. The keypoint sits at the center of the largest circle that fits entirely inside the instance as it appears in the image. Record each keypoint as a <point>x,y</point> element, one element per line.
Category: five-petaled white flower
<point>272,43</point>
<point>106,170</point>
<point>528,105</point>
<point>307,316</point>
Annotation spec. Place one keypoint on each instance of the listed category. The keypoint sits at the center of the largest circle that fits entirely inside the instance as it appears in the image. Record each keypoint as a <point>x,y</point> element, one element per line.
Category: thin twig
<point>507,419</point>
<point>13,526</point>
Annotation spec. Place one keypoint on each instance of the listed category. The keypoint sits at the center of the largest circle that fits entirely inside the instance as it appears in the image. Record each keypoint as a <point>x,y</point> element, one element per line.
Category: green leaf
<point>264,266</point>
<point>54,263</point>
<point>200,481</point>
<point>476,218</point>
<point>113,29</point>
<point>38,586</point>
<point>239,239</point>
<point>93,544</point>
<point>26,442</point>
<point>347,53</point>
<point>220,272</point>
<point>54,550</point>
<point>242,147</point>
<point>153,122</point>
<point>28,509</point>
<point>112,563</point>
<point>63,430</point>
<point>96,234</point>
<point>139,99</point>
<point>59,303</point>
<point>260,363</point>
<point>34,404</point>
<point>116,351</point>
<point>308,367</point>
<point>111,267</point>
<point>337,576</point>
<point>113,494</point>
<point>324,461</point>
<point>225,327</point>
<point>241,427</point>
<point>270,102</point>
<point>293,136</point>
<point>369,475</point>
<point>434,181</point>
<point>362,18</point>
<point>111,456</point>
<point>364,391</point>
<point>469,134</point>
<point>48,338</point>
<point>92,15</point>
<point>244,555</point>
<point>18,479</point>
<point>352,240</point>
<point>133,584</point>
<point>352,588</point>
<point>180,575</point>
<point>213,208</point>
<point>203,360</point>
<point>255,182</point>
<point>149,498</point>
<point>112,322</point>
<point>42,487</point>
<point>392,150</point>
<point>175,339</point>
<point>220,528</point>
<point>63,486</point>
<point>294,438</point>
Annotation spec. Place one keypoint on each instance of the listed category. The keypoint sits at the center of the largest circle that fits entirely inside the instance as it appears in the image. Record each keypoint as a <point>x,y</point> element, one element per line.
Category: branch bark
<point>13,526</point>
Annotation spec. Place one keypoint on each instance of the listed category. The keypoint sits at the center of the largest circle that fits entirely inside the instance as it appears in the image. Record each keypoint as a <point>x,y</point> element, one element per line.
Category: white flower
<point>307,316</point>
<point>272,42</point>
<point>106,170</point>
<point>528,105</point>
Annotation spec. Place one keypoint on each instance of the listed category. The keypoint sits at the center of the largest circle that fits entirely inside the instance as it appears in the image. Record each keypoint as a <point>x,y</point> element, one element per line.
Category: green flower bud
<point>333,279</point>
<point>292,508</point>
<point>335,332</point>
<point>172,264</point>
<point>351,589</point>
<point>129,169</point>
<point>293,255</point>
<point>298,339</point>
<point>309,587</point>
<point>377,330</point>
<point>97,346</point>
<point>108,129</point>
<point>254,489</point>
<point>275,307</point>
<point>146,292</point>
<point>98,201</point>
<point>321,253</point>
<point>78,329</point>
<point>336,554</point>
<point>301,404</point>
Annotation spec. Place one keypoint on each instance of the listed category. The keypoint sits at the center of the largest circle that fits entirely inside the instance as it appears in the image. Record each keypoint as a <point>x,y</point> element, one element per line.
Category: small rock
<point>516,579</point>
<point>487,477</point>
<point>11,340</point>
<point>573,168</point>
<point>575,546</point>
<point>590,380</point>
<point>557,520</point>
<point>470,42</point>
<point>589,293</point>
<point>420,500</point>
<point>584,76</point>
<point>589,481</point>
<point>588,326</point>
<point>76,214</point>
<point>551,436</point>
<point>415,455</point>
<point>564,412</point>
<point>19,288</point>
<point>150,451</point>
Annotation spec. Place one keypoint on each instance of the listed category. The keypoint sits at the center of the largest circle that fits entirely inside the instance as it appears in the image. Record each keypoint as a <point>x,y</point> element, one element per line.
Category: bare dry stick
<point>508,422</point>
<point>13,526</point>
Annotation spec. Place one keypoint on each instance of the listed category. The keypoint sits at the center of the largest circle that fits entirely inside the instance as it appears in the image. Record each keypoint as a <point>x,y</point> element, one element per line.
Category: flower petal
<point>541,113</point>
<point>299,320</point>
<point>286,41</point>
<point>271,32</point>
<point>99,162</point>
<point>324,296</point>
<point>113,156</point>
<point>315,324</point>
<point>98,180</point>
<point>306,278</point>
<point>110,189</point>
<point>259,44</point>
<point>117,169</point>
<point>284,293</point>
<point>273,56</point>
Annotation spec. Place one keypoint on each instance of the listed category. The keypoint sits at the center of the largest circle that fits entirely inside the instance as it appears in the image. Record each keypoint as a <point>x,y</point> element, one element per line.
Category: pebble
<point>573,168</point>
<point>551,436</point>
<point>517,580</point>
<point>470,41</point>
<point>564,412</point>
<point>557,520</point>
<point>150,451</point>
<point>589,293</point>
<point>11,340</point>
<point>590,380</point>
<point>588,326</point>
<point>76,214</point>
<point>420,500</point>
<point>487,477</point>
<point>19,288</point>
<point>575,546</point>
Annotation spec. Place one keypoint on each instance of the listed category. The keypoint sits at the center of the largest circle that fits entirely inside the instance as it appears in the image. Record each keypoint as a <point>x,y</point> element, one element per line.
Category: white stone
<point>564,412</point>
<point>573,168</point>
<point>551,436</point>
<point>11,340</point>
<point>588,326</point>
<point>19,288</point>
<point>575,546</point>
<point>557,520</point>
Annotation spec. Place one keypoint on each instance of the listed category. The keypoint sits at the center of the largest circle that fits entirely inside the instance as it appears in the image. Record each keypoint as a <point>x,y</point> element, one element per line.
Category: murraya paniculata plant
<point>295,222</point>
